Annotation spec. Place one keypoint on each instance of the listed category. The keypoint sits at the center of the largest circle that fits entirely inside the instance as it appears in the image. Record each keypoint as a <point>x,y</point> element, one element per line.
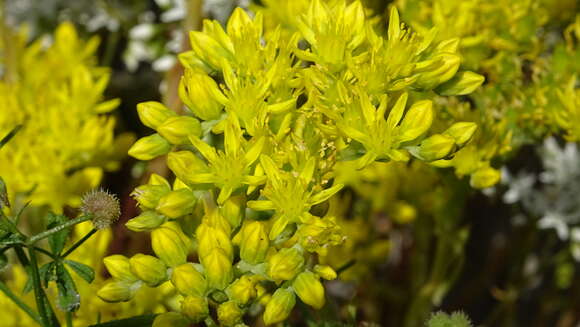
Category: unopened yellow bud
<point>403,213</point>
<point>148,195</point>
<point>201,94</point>
<point>436,147</point>
<point>285,264</point>
<point>229,313</point>
<point>153,114</point>
<point>325,272</point>
<point>195,308</point>
<point>461,84</point>
<point>242,290</point>
<point>188,281</point>
<point>176,130</point>
<point>279,307</point>
<point>461,132</point>
<point>177,203</point>
<point>417,121</point>
<point>484,177</point>
<point>146,221</point>
<point>169,245</point>
<point>309,289</point>
<point>254,242</point>
<point>149,147</point>
<point>210,237</point>
<point>262,294</point>
<point>116,291</point>
<point>118,266</point>
<point>173,319</point>
<point>148,269</point>
<point>185,164</point>
<point>444,71</point>
<point>233,209</point>
<point>218,268</point>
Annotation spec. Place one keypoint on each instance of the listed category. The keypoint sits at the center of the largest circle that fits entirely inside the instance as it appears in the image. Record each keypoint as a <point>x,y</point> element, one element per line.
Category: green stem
<point>69,319</point>
<point>79,242</point>
<point>57,229</point>
<point>38,293</point>
<point>19,303</point>
<point>43,251</point>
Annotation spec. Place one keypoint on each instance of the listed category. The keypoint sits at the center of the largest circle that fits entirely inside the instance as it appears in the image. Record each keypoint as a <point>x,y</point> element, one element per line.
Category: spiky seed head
<point>102,206</point>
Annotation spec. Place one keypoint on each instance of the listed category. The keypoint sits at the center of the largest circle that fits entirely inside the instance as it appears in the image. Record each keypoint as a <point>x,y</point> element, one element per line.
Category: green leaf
<point>68,297</point>
<point>138,321</point>
<point>461,84</point>
<point>57,240</point>
<point>85,272</point>
<point>47,273</point>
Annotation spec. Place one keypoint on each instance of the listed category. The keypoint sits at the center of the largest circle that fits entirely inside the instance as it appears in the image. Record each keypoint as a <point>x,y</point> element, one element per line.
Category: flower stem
<point>38,293</point>
<point>19,303</point>
<point>79,242</point>
<point>45,234</point>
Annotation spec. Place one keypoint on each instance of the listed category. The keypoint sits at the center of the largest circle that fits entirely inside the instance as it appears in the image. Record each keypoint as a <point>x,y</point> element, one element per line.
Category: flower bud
<point>152,113</point>
<point>461,132</point>
<point>233,209</point>
<point>148,269</point>
<point>444,71</point>
<point>484,177</point>
<point>148,195</point>
<point>461,84</point>
<point>173,319</point>
<point>279,307</point>
<point>436,147</point>
<point>177,203</point>
<point>309,289</point>
<point>254,242</point>
<point>177,129</point>
<point>118,266</point>
<point>146,221</point>
<point>149,147</point>
<point>285,264</point>
<point>195,308</point>
<point>325,272</point>
<point>116,291</point>
<point>169,246</point>
<point>242,290</point>
<point>188,281</point>
<point>210,237</point>
<point>229,313</point>
<point>417,121</point>
<point>201,95</point>
<point>185,165</point>
<point>103,207</point>
<point>218,268</point>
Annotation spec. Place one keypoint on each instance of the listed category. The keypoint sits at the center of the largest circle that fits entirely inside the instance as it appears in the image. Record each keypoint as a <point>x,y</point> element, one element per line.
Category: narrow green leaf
<point>68,297</point>
<point>85,272</point>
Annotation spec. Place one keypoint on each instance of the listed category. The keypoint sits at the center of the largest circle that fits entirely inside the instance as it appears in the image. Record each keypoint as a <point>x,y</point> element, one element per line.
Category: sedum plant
<point>270,114</point>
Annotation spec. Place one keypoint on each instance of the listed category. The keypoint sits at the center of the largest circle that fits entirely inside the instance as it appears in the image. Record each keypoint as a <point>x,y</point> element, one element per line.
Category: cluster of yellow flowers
<point>66,141</point>
<point>508,42</point>
<point>280,108</point>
